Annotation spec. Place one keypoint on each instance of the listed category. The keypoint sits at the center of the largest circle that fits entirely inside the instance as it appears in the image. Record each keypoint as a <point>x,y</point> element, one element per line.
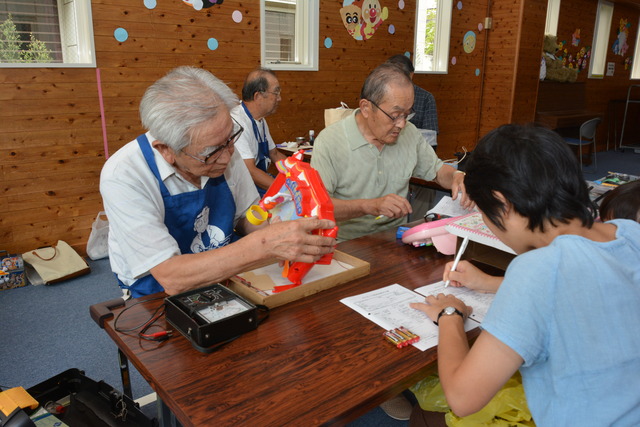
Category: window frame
<point>600,44</point>
<point>553,15</point>
<point>442,40</point>
<point>306,36</point>
<point>84,30</point>
<point>635,66</point>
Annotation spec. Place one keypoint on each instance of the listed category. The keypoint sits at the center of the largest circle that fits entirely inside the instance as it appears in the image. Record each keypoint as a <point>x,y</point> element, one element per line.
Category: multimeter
<point>209,315</point>
<point>212,305</point>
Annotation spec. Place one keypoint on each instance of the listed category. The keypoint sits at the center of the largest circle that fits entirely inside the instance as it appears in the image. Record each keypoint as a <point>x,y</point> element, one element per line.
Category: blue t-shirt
<point>571,310</point>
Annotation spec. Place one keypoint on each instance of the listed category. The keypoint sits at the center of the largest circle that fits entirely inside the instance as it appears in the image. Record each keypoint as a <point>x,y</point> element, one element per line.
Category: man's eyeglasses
<point>275,92</point>
<point>397,118</point>
<point>217,151</point>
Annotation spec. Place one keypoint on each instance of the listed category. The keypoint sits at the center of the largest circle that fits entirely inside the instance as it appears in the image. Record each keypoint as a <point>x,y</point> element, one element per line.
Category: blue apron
<point>199,220</point>
<point>263,145</point>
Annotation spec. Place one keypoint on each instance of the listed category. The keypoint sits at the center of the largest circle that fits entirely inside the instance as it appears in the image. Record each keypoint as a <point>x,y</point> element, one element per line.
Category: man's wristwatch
<point>448,311</point>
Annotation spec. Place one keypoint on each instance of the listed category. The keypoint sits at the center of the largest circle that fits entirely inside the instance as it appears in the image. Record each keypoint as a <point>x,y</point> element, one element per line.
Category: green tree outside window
<point>430,31</point>
<point>13,49</point>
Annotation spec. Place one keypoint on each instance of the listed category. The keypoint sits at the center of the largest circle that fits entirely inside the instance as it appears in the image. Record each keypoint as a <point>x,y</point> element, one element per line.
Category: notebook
<point>473,227</point>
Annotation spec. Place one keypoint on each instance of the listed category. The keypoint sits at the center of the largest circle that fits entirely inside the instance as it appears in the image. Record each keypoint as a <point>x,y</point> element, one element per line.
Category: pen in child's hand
<point>463,246</point>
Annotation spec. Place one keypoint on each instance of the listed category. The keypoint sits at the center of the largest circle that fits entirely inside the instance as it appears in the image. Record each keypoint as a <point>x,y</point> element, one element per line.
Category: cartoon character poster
<point>620,46</point>
<point>362,18</point>
<point>575,37</point>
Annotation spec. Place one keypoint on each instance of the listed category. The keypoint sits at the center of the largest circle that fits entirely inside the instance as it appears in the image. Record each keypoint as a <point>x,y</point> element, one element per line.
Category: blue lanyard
<point>263,143</point>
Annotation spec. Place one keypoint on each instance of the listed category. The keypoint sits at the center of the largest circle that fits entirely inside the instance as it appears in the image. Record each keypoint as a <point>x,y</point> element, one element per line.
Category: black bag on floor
<point>88,402</point>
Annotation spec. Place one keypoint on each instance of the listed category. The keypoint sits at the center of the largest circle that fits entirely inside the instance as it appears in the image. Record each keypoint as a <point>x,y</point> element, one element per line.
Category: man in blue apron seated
<point>260,98</point>
<point>179,191</point>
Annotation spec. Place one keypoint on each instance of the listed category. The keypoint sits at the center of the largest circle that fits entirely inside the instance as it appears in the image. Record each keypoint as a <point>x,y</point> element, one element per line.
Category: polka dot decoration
<point>212,43</point>
<point>121,34</point>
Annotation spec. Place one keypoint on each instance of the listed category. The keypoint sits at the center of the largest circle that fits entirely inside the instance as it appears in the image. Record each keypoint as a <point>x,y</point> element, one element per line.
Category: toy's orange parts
<point>310,198</point>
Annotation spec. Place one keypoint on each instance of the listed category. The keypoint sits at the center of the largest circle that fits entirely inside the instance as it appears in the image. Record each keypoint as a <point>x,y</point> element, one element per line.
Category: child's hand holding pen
<point>468,275</point>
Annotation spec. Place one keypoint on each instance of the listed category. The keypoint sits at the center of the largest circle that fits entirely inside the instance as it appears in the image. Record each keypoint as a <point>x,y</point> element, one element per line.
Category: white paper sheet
<point>449,207</point>
<point>388,307</point>
<point>479,301</point>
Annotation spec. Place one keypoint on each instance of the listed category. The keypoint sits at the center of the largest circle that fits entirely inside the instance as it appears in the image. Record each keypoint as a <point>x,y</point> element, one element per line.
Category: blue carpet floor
<point>626,161</point>
<point>45,330</point>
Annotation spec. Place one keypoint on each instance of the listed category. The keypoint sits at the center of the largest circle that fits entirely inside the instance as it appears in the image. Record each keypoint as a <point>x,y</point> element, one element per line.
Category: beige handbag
<point>332,115</point>
<point>54,264</point>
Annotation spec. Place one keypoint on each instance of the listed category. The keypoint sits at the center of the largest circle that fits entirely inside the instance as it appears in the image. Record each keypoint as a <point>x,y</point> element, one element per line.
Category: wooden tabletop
<point>564,119</point>
<point>313,361</point>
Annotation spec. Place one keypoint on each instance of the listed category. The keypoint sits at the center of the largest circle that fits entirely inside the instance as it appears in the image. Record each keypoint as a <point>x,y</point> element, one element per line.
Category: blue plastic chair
<point>587,136</point>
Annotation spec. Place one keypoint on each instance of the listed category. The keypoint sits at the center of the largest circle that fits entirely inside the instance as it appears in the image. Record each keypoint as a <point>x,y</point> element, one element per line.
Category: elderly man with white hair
<point>176,196</point>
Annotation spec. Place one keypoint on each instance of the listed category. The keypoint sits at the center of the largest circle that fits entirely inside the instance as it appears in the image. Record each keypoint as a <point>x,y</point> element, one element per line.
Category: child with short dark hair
<point>566,312</point>
<point>622,202</point>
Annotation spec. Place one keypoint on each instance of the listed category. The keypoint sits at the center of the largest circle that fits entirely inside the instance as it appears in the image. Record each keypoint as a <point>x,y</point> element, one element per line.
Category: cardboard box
<point>253,289</point>
<point>11,271</point>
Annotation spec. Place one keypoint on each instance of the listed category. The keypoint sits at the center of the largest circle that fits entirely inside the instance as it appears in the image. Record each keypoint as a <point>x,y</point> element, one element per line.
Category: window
<point>553,13</point>
<point>601,39</point>
<point>289,34</point>
<point>635,68</point>
<point>433,31</point>
<point>46,33</point>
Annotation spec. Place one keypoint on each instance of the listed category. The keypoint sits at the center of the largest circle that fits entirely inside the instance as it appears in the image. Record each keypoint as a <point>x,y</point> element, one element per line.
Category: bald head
<point>256,81</point>
<point>380,79</point>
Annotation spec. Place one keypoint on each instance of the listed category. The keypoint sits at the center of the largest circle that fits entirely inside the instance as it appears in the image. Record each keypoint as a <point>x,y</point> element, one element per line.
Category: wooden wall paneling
<point>41,110</point>
<point>38,138</point>
<point>348,62</point>
<point>457,93</point>
<point>51,146</point>
<point>577,15</point>
<point>51,198</point>
<point>602,94</point>
<point>527,71</point>
<point>502,53</point>
<point>71,229</point>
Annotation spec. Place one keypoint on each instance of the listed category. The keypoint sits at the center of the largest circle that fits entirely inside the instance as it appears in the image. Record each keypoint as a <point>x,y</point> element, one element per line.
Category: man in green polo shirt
<point>367,159</point>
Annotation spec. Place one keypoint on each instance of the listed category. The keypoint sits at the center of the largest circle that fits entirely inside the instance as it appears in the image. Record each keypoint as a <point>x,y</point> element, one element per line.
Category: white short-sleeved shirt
<point>247,144</point>
<point>138,237</point>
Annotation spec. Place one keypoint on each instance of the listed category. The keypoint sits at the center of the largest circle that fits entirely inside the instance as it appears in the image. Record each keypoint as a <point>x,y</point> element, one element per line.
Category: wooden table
<point>562,105</point>
<point>308,151</point>
<point>314,361</point>
<point>565,119</point>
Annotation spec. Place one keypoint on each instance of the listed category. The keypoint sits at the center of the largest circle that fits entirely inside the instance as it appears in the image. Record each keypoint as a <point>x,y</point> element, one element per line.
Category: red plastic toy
<point>297,192</point>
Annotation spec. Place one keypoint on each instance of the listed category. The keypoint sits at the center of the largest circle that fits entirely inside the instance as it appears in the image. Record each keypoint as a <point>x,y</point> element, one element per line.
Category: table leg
<point>165,416</point>
<point>124,374</point>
